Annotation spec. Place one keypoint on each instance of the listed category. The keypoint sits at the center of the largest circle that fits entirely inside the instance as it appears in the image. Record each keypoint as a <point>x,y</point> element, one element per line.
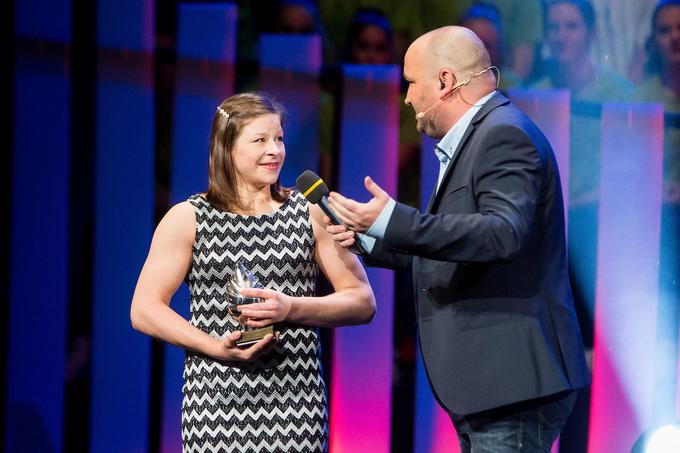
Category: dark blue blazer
<point>496,318</point>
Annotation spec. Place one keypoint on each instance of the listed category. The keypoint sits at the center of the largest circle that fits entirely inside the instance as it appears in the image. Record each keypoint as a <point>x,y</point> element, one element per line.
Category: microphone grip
<point>323,204</point>
<point>358,248</point>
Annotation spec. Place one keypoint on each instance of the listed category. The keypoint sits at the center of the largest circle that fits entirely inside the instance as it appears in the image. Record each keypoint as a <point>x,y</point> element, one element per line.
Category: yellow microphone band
<point>314,186</point>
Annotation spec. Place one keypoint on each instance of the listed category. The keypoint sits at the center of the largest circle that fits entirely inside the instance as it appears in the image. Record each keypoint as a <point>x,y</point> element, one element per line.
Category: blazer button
<point>423,290</point>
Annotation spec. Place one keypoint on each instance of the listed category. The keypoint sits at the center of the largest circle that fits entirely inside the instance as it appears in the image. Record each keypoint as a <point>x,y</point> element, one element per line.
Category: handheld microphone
<point>315,191</point>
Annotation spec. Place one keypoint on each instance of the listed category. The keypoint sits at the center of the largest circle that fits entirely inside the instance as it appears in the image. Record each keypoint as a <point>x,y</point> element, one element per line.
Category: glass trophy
<point>242,278</point>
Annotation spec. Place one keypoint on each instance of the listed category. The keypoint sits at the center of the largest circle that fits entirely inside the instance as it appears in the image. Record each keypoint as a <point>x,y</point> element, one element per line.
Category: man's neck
<point>463,105</point>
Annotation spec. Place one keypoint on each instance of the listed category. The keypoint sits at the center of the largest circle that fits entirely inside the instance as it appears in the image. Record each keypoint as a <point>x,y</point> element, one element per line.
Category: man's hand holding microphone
<point>344,217</point>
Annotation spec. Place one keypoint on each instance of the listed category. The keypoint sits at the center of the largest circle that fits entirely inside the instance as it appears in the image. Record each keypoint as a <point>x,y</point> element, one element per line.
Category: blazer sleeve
<point>506,183</point>
<point>390,260</point>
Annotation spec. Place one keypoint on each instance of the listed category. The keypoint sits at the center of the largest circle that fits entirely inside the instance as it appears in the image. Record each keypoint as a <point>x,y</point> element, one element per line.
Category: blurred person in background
<point>369,38</point>
<point>297,17</point>
<point>407,19</point>
<point>484,19</point>
<point>570,34</point>
<point>662,84</point>
<point>522,33</point>
<point>301,17</point>
<point>369,41</point>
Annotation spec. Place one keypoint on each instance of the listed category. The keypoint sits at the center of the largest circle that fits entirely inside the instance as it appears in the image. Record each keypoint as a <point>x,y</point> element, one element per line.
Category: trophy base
<point>249,337</point>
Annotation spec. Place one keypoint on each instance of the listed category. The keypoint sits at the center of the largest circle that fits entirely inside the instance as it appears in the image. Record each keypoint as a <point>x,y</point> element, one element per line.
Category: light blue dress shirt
<point>444,150</point>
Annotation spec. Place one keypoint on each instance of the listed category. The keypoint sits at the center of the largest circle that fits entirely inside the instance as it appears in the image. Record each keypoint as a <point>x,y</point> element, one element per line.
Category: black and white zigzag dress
<point>278,403</point>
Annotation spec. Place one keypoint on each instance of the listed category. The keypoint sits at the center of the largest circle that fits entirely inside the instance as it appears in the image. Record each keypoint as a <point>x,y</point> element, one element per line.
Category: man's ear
<point>446,78</point>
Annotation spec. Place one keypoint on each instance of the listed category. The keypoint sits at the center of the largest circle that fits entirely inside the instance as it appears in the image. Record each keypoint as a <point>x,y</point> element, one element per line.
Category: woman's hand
<point>275,307</point>
<point>227,349</point>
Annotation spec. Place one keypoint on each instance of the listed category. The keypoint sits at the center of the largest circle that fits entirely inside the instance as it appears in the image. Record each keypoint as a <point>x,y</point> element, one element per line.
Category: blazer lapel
<point>495,101</point>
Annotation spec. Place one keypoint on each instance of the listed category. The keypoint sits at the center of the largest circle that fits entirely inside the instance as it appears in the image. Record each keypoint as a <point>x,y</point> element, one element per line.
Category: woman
<point>270,395</point>
<point>570,33</point>
<point>485,20</point>
<point>662,84</point>
<point>369,38</point>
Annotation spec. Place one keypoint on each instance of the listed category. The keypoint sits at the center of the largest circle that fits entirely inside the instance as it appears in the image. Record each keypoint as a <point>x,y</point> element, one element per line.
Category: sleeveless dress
<point>277,403</point>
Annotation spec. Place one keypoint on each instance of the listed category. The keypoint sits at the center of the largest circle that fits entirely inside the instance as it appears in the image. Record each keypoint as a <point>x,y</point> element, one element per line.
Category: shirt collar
<point>448,144</point>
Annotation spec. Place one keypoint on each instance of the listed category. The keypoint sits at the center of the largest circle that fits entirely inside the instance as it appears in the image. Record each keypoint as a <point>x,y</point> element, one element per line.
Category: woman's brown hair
<point>230,118</point>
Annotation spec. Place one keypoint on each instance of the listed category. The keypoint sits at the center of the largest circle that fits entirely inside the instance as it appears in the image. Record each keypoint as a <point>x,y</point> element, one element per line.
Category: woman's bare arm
<point>164,270</point>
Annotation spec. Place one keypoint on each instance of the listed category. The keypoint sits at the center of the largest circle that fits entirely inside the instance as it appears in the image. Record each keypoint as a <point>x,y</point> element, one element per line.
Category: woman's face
<point>568,36</point>
<point>667,35</point>
<point>371,46</point>
<point>295,19</point>
<point>259,152</point>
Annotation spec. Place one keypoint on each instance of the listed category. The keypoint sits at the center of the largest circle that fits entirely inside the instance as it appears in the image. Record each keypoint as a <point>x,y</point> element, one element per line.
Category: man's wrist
<point>377,230</point>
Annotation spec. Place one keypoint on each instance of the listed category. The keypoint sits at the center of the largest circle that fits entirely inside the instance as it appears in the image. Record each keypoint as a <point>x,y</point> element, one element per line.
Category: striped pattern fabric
<point>277,403</point>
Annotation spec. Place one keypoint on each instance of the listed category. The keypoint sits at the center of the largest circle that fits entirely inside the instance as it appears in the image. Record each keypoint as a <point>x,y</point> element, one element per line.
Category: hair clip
<point>223,113</point>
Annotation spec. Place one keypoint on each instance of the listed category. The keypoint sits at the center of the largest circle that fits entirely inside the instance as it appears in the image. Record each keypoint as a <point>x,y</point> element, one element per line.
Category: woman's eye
<point>280,138</point>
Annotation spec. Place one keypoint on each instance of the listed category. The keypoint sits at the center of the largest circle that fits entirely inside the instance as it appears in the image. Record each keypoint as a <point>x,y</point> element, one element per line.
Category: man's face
<point>422,90</point>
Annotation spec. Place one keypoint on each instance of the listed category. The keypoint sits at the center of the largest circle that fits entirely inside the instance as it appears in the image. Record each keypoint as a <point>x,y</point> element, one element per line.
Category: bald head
<point>447,71</point>
<point>457,48</point>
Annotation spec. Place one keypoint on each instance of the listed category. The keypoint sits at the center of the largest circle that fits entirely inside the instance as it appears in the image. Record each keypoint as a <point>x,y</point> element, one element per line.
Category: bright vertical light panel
<point>361,381</point>
<point>433,431</point>
<point>289,70</point>
<point>206,51</point>
<point>627,275</point>
<point>124,201</point>
<point>40,209</point>
<point>550,110</point>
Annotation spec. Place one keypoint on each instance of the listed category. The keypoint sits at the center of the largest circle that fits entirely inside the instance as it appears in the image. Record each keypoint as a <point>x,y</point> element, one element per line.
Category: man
<point>497,328</point>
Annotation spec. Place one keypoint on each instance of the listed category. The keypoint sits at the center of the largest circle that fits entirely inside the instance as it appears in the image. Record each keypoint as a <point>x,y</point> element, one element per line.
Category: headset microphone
<point>421,115</point>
